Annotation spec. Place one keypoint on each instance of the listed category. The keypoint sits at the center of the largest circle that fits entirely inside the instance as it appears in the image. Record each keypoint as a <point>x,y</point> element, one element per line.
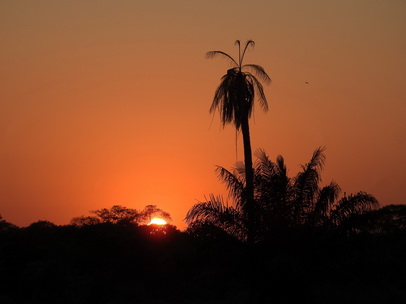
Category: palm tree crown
<point>234,97</point>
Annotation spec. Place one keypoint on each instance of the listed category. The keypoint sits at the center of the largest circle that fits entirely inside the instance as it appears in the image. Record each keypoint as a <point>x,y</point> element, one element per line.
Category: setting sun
<point>157,221</point>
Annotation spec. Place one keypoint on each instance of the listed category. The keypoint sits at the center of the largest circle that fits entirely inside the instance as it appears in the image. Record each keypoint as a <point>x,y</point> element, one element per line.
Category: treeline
<point>128,262</point>
<point>95,263</point>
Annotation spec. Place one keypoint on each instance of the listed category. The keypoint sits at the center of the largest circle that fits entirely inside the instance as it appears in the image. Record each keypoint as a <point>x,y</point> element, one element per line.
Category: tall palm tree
<point>234,99</point>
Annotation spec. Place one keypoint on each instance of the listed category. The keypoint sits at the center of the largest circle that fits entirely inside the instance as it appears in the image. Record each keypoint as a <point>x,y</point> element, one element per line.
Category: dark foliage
<point>128,263</point>
<point>118,214</point>
<point>283,206</point>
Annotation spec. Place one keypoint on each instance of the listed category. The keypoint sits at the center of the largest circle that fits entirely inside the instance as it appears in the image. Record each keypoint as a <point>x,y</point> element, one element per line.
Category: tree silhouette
<point>41,225</point>
<point>85,221</point>
<point>117,215</point>
<point>151,211</point>
<point>348,210</point>
<point>234,99</point>
<point>5,226</point>
<point>388,220</point>
<point>282,203</point>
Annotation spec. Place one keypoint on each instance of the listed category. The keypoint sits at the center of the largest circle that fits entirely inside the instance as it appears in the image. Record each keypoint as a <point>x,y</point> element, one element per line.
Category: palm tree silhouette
<point>349,209</point>
<point>234,99</point>
<point>283,204</point>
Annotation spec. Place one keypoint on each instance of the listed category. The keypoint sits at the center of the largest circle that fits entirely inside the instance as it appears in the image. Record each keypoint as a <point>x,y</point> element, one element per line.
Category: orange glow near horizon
<point>109,105</point>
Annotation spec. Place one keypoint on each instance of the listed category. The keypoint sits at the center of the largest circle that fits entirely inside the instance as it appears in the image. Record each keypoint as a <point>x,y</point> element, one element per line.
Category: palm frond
<point>259,71</point>
<point>212,54</point>
<point>260,89</point>
<point>210,210</point>
<point>216,213</point>
<point>249,43</point>
<point>272,187</point>
<point>261,155</point>
<point>280,164</point>
<point>310,176</point>
<point>234,185</point>
<point>229,97</point>
<point>222,103</point>
<point>318,160</point>
<point>266,168</point>
<point>239,170</point>
<point>238,43</point>
<point>306,185</point>
<point>326,198</point>
<point>330,193</point>
<point>352,205</point>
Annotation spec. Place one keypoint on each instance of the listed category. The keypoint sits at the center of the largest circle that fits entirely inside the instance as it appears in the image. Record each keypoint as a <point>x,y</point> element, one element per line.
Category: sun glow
<point>157,221</point>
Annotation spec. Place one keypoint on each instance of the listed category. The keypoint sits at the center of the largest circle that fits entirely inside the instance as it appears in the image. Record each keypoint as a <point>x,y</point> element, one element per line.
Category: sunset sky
<point>107,102</point>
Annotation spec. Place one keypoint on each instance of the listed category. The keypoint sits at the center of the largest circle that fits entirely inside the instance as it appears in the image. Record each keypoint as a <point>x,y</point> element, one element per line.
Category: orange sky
<point>106,102</point>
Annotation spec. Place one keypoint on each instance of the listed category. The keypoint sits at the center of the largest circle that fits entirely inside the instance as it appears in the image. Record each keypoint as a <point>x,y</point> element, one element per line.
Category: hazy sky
<point>107,102</point>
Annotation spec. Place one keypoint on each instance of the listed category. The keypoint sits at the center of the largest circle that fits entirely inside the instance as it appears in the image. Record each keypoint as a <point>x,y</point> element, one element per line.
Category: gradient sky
<point>107,102</point>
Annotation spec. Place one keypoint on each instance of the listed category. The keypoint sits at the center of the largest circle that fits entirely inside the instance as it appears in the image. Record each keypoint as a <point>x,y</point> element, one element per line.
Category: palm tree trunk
<point>249,180</point>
